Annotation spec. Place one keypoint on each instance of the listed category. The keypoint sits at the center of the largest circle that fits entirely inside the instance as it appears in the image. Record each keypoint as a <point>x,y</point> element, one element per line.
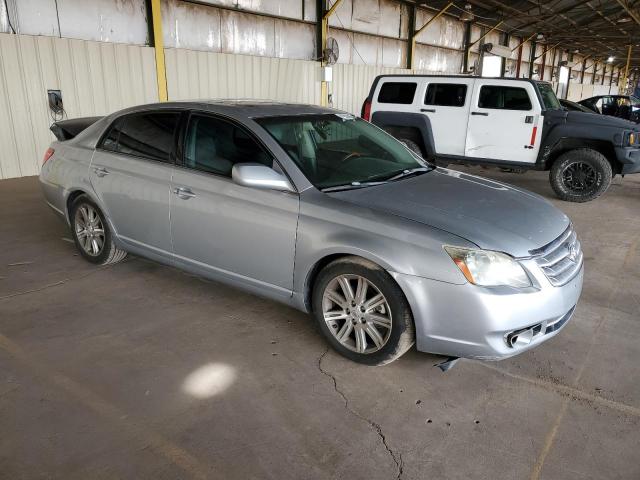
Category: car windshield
<point>635,101</point>
<point>549,98</point>
<point>340,150</point>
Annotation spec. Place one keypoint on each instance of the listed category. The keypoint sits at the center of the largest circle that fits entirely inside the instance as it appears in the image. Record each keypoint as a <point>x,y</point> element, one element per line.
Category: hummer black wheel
<point>580,175</point>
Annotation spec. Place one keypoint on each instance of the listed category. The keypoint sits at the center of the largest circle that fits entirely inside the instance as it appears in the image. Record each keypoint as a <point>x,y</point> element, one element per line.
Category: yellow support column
<point>324,100</point>
<point>158,40</point>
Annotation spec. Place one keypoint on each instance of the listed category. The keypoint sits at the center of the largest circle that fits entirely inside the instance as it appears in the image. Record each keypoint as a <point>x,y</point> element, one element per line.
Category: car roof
<point>426,75</point>
<point>241,109</point>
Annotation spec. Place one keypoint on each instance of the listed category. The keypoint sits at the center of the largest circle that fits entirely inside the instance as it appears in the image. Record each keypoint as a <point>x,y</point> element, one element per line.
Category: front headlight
<point>488,268</point>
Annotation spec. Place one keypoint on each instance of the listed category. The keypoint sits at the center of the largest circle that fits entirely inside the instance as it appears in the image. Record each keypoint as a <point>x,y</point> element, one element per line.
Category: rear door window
<point>504,98</point>
<point>446,94</point>
<point>150,135</point>
<point>397,92</point>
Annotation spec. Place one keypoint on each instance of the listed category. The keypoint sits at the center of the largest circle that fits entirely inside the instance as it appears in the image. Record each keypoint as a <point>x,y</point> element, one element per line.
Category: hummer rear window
<point>397,92</point>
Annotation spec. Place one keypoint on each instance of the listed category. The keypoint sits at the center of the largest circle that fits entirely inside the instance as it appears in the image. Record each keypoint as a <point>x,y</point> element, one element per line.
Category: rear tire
<point>91,233</point>
<point>373,324</point>
<point>580,175</point>
<point>411,145</point>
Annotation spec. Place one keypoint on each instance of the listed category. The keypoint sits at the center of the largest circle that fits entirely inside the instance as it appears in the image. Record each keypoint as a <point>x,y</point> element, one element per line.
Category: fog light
<point>520,338</point>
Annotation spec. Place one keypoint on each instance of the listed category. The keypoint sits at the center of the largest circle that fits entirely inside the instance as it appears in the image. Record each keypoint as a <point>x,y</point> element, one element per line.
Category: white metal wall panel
<point>121,21</point>
<point>351,84</point>
<point>95,79</point>
<point>195,74</point>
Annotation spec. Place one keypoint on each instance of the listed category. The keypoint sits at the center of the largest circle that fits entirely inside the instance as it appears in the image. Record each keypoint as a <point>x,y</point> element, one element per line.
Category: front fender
<point>329,227</point>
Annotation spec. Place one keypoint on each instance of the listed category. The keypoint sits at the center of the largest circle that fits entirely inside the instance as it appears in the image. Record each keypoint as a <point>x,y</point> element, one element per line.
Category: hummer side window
<point>504,98</point>
<point>446,94</point>
<point>397,92</point>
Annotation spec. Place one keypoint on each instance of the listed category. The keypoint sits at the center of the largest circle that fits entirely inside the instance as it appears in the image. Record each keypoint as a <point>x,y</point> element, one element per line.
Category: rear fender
<point>392,121</point>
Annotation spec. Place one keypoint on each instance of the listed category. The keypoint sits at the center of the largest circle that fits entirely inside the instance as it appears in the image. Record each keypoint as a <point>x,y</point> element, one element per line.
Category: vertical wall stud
<point>158,44</point>
<point>411,45</point>
<point>532,57</point>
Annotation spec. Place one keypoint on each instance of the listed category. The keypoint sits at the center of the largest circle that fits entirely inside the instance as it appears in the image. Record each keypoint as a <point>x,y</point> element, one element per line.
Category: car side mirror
<point>260,176</point>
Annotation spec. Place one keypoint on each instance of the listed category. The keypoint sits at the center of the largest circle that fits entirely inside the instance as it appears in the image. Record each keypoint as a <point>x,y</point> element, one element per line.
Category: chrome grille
<point>561,259</point>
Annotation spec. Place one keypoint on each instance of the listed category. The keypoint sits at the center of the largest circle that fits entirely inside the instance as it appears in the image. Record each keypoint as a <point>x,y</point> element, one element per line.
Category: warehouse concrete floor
<point>141,371</point>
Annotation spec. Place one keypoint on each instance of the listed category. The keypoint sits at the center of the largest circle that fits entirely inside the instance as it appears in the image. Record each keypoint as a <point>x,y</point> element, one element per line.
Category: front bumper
<point>629,157</point>
<point>474,322</point>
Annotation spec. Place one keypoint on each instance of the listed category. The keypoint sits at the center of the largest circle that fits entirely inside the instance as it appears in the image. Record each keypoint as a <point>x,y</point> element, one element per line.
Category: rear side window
<point>397,92</point>
<point>504,98</point>
<point>446,94</point>
<point>148,135</point>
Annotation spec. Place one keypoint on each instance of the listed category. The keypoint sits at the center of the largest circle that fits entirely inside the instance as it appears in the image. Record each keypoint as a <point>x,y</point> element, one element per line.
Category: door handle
<point>484,114</point>
<point>431,110</point>
<point>528,119</point>
<point>184,193</point>
<point>100,171</point>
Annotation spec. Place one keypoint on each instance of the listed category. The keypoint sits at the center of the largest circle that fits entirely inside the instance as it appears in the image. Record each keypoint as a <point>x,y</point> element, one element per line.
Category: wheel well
<point>71,198</point>
<point>409,133</point>
<point>313,275</point>
<point>605,148</point>
<point>323,262</point>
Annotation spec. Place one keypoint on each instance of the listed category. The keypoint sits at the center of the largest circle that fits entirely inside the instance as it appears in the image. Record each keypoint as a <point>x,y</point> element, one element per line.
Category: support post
<point>595,71</point>
<point>532,58</point>
<point>411,45</point>
<point>604,72</point>
<point>519,60</point>
<point>324,19</point>
<point>626,69</point>
<point>158,45</point>
<point>503,65</point>
<point>465,45</point>
<point>553,65</point>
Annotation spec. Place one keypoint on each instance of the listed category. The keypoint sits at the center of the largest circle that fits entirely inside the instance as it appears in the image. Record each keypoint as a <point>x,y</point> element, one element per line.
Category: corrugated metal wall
<point>195,74</point>
<point>351,84</point>
<point>95,78</point>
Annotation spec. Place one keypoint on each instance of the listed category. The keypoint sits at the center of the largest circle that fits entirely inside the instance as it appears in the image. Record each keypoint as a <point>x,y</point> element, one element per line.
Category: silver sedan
<point>327,213</point>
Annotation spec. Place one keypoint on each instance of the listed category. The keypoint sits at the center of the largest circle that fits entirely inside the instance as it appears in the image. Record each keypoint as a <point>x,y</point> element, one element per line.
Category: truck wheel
<point>411,145</point>
<point>580,175</point>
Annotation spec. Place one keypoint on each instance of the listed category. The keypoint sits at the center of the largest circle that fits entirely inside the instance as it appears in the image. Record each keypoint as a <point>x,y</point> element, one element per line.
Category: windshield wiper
<point>351,186</point>
<point>406,173</point>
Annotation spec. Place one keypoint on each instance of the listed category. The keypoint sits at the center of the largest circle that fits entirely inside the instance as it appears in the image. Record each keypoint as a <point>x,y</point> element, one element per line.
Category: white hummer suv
<point>516,124</point>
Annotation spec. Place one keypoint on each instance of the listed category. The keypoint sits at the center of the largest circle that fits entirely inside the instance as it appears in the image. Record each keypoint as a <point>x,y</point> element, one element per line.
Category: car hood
<point>490,214</point>
<point>600,120</point>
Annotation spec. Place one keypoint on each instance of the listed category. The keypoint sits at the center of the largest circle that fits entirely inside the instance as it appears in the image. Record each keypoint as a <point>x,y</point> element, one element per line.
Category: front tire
<point>362,312</point>
<point>411,145</point>
<point>91,233</point>
<point>580,175</point>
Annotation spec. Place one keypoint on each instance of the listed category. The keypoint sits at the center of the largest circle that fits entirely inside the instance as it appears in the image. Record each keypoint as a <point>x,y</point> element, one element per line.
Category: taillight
<point>366,110</point>
<point>47,155</point>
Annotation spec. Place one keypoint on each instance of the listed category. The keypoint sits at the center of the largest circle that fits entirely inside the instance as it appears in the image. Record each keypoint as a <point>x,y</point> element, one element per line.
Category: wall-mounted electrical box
<point>55,101</point>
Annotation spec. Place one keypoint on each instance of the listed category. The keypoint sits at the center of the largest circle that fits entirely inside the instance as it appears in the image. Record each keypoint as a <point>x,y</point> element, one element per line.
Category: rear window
<point>397,92</point>
<point>504,98</point>
<point>148,135</point>
<point>446,94</point>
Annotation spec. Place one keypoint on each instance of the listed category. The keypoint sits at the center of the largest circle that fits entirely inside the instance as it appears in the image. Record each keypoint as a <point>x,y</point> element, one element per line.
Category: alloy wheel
<point>89,230</point>
<point>579,176</point>
<point>357,313</point>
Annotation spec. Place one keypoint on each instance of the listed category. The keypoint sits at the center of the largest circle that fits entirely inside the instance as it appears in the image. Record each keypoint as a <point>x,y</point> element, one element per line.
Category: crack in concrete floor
<point>397,457</point>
